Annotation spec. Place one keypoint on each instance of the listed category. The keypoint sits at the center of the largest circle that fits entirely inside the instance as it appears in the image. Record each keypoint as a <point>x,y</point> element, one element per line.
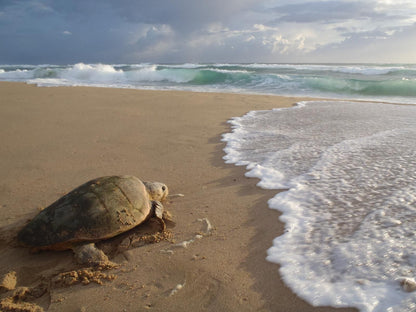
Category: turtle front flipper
<point>158,209</point>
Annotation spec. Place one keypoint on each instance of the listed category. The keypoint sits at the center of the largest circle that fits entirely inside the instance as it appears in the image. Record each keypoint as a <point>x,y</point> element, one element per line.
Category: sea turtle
<point>99,209</point>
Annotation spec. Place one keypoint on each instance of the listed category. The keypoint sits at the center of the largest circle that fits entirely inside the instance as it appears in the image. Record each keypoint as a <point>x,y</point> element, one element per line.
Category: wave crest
<point>366,82</point>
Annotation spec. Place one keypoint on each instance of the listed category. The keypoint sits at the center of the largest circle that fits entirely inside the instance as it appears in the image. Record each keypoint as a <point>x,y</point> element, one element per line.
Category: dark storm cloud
<point>62,31</point>
<point>183,15</point>
<point>90,30</point>
<point>38,31</point>
<point>100,30</point>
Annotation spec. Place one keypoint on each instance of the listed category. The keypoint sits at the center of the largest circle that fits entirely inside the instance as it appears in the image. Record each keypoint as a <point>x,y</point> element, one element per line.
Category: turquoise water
<point>392,83</point>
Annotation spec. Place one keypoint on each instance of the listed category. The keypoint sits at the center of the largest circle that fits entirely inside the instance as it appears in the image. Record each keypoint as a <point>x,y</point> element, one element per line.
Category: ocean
<point>344,171</point>
<point>391,83</point>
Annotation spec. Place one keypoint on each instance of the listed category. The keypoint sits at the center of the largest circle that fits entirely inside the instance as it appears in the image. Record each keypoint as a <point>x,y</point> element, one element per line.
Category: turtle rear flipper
<point>89,254</point>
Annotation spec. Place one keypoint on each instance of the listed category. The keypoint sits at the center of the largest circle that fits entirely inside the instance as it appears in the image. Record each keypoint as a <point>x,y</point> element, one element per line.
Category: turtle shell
<point>99,209</point>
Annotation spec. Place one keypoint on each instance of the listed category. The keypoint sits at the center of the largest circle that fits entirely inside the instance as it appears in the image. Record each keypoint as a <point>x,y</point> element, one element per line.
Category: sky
<point>201,31</point>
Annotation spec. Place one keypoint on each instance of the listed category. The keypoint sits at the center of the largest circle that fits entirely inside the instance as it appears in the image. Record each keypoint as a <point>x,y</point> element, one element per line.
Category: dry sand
<point>53,139</point>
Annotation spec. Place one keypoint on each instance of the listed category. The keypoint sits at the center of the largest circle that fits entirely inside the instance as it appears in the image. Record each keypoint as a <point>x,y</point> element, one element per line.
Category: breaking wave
<point>396,83</point>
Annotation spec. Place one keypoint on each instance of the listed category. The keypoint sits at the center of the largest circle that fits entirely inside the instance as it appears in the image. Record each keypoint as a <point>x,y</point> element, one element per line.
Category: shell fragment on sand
<point>408,284</point>
<point>177,288</point>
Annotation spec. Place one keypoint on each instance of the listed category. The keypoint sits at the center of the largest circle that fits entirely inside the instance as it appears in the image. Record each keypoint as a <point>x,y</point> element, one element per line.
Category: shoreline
<point>55,138</point>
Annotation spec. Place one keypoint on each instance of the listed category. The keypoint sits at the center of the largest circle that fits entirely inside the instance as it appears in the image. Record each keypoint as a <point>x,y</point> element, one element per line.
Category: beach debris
<point>207,227</point>
<point>177,288</point>
<point>408,284</point>
<point>99,209</point>
<point>205,231</point>
<point>8,281</point>
<point>183,244</point>
<point>186,243</point>
<point>176,195</point>
<point>198,257</point>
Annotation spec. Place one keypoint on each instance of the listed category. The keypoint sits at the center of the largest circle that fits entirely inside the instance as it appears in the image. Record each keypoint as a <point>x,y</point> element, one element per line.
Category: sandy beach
<point>54,139</point>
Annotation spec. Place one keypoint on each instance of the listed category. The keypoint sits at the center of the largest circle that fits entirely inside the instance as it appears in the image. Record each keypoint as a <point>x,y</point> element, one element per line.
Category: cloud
<point>372,47</point>
<point>182,15</point>
<point>58,31</point>
<point>149,41</point>
<point>325,12</point>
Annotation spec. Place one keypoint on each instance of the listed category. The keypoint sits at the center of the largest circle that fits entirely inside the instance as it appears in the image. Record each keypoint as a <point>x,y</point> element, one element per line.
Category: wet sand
<point>54,139</point>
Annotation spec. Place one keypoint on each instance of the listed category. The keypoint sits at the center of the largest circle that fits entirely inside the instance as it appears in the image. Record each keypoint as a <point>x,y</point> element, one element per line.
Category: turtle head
<point>157,190</point>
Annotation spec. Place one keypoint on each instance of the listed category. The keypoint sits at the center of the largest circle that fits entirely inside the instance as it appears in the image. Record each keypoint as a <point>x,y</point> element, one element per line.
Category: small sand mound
<point>8,282</point>
<point>85,276</point>
<point>18,301</point>
<point>10,305</point>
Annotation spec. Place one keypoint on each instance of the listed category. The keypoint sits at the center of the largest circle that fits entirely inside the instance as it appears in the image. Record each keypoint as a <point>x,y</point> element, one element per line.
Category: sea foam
<point>388,83</point>
<point>350,207</point>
